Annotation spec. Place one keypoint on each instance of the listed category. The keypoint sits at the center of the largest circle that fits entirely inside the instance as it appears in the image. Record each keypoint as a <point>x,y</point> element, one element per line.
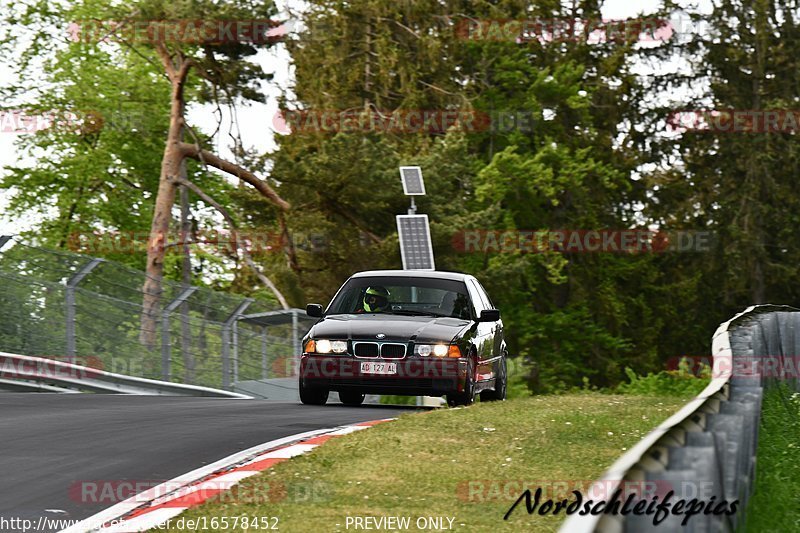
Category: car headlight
<point>438,350</point>
<point>325,346</point>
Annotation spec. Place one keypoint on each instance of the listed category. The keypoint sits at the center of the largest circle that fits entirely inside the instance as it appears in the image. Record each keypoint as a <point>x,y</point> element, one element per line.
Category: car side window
<point>485,295</point>
<point>475,295</point>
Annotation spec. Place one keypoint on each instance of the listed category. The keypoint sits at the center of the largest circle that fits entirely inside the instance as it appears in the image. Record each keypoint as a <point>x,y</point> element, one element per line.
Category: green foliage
<point>742,187</point>
<point>681,382</point>
<point>596,158</point>
<point>773,506</point>
<point>566,316</point>
<point>519,372</point>
<point>96,176</point>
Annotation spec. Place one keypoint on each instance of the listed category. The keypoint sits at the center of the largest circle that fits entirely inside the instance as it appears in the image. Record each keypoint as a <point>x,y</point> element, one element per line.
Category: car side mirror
<point>314,310</point>
<point>489,315</point>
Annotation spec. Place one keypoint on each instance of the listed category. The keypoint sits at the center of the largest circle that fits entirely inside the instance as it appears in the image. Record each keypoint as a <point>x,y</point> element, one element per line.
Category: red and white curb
<point>155,506</point>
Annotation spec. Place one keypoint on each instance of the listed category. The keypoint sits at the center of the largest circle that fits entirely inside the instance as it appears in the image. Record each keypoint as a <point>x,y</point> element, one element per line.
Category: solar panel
<point>415,242</point>
<point>412,181</point>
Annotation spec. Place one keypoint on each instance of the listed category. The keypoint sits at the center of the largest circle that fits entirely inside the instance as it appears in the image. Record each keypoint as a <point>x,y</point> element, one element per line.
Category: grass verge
<point>422,464</point>
<point>773,506</point>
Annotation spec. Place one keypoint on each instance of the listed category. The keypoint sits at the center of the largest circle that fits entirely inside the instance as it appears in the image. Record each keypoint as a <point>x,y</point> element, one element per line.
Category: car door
<point>497,332</point>
<point>484,337</point>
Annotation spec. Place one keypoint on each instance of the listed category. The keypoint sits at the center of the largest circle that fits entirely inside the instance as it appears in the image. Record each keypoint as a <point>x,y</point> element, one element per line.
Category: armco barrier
<point>22,372</point>
<point>708,448</point>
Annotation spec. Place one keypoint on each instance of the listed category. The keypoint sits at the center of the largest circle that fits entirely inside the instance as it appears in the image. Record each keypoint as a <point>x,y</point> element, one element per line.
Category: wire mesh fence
<point>86,310</point>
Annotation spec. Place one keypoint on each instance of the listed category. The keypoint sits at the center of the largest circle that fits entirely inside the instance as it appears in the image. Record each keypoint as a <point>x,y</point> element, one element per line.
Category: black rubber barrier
<point>705,455</point>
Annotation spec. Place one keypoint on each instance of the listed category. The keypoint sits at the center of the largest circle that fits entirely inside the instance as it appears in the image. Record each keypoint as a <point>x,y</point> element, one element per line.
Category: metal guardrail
<point>22,372</point>
<point>707,449</point>
<point>13,385</point>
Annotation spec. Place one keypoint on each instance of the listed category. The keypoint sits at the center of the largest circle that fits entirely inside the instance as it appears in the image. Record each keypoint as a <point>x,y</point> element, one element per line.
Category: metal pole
<point>226,356</point>
<point>226,342</point>
<point>186,277</point>
<point>295,341</point>
<point>69,300</point>
<point>166,348</point>
<point>264,370</point>
<point>235,337</point>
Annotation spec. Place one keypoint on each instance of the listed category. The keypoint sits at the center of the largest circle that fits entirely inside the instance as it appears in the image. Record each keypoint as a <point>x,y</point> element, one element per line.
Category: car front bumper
<point>424,376</point>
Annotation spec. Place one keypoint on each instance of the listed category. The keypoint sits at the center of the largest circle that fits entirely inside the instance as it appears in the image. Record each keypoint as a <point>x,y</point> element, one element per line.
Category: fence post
<point>166,348</point>
<point>264,369</point>
<point>229,324</point>
<point>69,300</point>
<point>295,342</point>
<point>235,332</point>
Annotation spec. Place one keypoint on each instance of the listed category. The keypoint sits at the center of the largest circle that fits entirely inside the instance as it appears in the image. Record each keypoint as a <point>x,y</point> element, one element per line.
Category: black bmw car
<point>405,332</point>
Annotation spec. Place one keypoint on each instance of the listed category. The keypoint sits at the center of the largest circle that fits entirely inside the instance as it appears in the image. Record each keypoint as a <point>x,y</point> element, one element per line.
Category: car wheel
<point>467,397</point>
<point>312,395</point>
<point>499,392</point>
<point>351,398</point>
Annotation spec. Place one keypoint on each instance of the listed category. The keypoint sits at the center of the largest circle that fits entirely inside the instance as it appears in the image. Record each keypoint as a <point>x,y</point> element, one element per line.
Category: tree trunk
<point>165,199</point>
<point>175,153</point>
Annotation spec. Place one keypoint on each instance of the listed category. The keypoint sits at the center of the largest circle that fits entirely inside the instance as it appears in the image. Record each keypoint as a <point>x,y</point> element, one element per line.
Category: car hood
<point>395,327</point>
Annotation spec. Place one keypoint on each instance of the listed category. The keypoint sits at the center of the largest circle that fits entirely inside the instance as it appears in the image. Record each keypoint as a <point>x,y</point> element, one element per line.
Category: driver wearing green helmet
<point>376,299</point>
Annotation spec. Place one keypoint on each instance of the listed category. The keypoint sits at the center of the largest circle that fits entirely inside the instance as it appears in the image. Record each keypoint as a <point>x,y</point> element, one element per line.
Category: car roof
<point>430,274</point>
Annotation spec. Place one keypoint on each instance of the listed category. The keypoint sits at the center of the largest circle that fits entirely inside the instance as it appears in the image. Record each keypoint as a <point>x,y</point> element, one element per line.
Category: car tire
<point>467,397</point>
<point>499,392</point>
<point>312,395</point>
<point>351,398</point>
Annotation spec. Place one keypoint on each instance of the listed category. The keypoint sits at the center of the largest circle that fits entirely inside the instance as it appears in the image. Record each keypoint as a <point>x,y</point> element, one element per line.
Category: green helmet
<point>375,299</point>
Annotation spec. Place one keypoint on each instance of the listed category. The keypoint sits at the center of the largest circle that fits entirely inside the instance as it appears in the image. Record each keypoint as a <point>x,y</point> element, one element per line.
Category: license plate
<point>378,368</point>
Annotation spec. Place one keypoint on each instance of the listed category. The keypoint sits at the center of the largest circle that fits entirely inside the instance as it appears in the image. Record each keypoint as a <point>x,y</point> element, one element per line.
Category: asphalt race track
<point>52,443</point>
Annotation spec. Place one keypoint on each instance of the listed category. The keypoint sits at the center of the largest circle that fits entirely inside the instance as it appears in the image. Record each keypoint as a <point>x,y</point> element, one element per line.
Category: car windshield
<point>403,296</point>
